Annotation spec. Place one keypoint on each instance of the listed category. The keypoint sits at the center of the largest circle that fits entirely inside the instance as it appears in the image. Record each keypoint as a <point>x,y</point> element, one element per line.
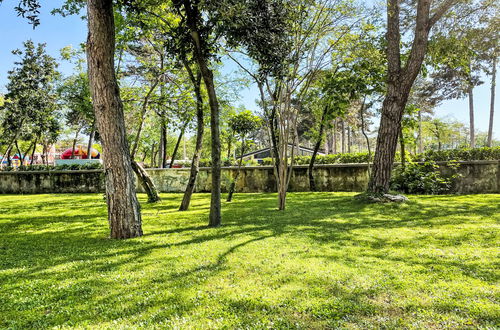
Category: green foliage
<point>328,262</point>
<point>423,178</point>
<point>462,154</point>
<point>30,111</point>
<point>69,167</point>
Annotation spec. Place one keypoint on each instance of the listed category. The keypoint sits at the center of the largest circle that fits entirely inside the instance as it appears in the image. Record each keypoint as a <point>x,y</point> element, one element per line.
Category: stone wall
<point>476,177</point>
<point>40,182</point>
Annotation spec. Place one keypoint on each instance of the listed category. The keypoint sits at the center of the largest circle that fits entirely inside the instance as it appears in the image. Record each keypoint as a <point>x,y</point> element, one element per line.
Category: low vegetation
<point>327,261</point>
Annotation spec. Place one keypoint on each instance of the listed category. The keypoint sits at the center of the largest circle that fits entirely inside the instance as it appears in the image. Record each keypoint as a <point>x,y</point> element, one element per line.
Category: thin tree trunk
<point>188,193</point>
<point>193,16</point>
<point>402,147</point>
<point>342,127</point>
<point>33,151</point>
<point>144,110</point>
<point>153,155</point>
<point>492,102</point>
<point>19,152</point>
<point>7,152</point>
<point>142,175</point>
<point>420,144</point>
<point>312,183</point>
<point>177,144</point>
<point>349,139</point>
<point>74,143</point>
<point>335,136</point>
<point>233,183</point>
<point>124,215</point>
<point>363,131</point>
<point>91,141</point>
<point>471,118</point>
<point>146,182</point>
<point>163,144</point>
<point>9,160</point>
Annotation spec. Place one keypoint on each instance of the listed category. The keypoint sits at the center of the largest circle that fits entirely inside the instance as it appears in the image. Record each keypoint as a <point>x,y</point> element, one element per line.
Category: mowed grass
<point>328,261</point>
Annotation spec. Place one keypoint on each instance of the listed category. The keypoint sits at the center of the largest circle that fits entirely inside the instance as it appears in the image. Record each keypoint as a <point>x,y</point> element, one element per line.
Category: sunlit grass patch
<point>327,261</point>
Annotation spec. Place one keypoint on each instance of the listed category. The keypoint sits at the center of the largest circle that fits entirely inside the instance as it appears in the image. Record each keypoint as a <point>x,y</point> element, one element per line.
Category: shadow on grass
<point>60,235</point>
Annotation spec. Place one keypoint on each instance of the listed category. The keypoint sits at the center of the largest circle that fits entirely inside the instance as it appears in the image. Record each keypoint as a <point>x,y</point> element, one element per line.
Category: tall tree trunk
<point>335,136</point>
<point>195,163</point>
<point>233,182</point>
<point>193,17</point>
<point>144,111</point>
<point>492,101</point>
<point>124,215</point>
<point>143,176</point>
<point>19,152</point>
<point>9,160</point>
<point>312,183</point>
<point>74,143</point>
<point>471,118</point>
<point>153,155</point>
<point>387,140</point>
<point>420,144</point>
<point>363,131</point>
<point>33,151</point>
<point>349,139</point>
<point>162,149</point>
<point>342,128</point>
<point>176,148</point>
<point>91,141</point>
<point>399,82</point>
<point>402,147</point>
<point>146,182</point>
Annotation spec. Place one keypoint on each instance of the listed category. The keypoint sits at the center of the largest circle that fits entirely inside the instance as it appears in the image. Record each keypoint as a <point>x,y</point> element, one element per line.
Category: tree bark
<point>342,127</point>
<point>124,215</point>
<point>91,141</point>
<point>33,152</point>
<point>312,183</point>
<point>146,182</point>
<point>74,143</point>
<point>177,144</point>
<point>193,16</point>
<point>335,137</point>
<point>472,134</point>
<point>233,183</point>
<point>349,139</point>
<point>162,152</point>
<point>387,140</point>
<point>420,144</point>
<point>402,147</point>
<point>363,131</point>
<point>399,82</point>
<point>492,101</point>
<point>195,163</point>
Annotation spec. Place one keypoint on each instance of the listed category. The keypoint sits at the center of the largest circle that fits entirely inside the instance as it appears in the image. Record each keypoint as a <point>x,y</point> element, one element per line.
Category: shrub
<point>64,167</point>
<point>462,154</point>
<point>423,178</point>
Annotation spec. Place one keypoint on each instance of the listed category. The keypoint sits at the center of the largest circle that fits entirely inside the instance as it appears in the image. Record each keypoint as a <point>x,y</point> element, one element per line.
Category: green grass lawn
<point>327,261</point>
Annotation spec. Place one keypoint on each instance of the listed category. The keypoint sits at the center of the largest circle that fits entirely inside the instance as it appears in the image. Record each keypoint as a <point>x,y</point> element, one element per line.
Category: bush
<point>423,178</point>
<point>462,154</point>
<point>64,167</point>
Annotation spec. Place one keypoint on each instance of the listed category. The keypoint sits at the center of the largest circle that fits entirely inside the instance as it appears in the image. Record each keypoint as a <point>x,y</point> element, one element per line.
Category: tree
<point>400,78</point>
<point>124,215</point>
<point>242,125</point>
<point>31,111</point>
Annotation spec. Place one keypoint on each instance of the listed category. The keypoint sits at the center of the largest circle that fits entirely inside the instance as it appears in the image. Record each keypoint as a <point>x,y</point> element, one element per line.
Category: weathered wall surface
<point>39,182</point>
<point>476,177</point>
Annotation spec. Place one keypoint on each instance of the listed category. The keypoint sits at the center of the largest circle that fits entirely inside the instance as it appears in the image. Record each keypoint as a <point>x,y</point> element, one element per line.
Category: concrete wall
<point>476,177</point>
